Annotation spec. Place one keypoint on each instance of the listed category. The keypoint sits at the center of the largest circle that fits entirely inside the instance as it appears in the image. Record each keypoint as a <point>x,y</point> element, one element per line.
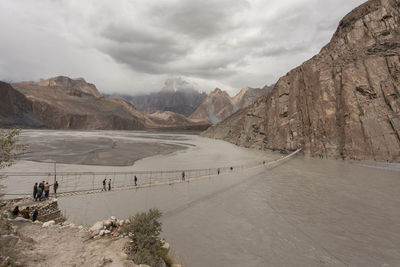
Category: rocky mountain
<point>248,96</point>
<point>342,103</point>
<point>177,95</point>
<point>219,105</point>
<point>65,103</point>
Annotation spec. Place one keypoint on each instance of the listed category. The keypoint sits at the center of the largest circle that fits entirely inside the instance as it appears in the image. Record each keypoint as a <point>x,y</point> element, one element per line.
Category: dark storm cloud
<point>138,44</point>
<point>201,19</point>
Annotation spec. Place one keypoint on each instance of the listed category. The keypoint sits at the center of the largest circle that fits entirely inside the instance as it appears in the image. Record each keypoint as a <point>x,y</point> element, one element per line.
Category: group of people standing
<point>42,191</point>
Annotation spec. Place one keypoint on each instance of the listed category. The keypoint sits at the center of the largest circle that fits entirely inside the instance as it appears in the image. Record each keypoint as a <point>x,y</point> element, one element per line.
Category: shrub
<point>144,230</point>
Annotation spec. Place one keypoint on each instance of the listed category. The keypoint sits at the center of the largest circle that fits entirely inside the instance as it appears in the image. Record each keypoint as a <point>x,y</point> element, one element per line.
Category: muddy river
<point>305,212</point>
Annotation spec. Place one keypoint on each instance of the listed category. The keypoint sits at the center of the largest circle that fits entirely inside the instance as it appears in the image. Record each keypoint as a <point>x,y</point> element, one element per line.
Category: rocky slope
<point>248,96</point>
<point>344,102</point>
<point>65,103</point>
<point>219,105</point>
<point>177,96</point>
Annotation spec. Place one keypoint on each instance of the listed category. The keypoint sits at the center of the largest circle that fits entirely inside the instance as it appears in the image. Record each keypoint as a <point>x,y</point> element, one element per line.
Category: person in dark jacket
<point>135,180</point>
<point>109,185</point>
<point>41,185</point>
<point>35,215</point>
<point>39,194</point>
<point>55,187</point>
<point>35,188</point>
<point>104,185</point>
<point>15,212</point>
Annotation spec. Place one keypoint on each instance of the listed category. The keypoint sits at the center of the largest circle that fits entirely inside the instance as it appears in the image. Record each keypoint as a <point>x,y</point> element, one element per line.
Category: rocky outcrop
<point>343,103</point>
<point>248,96</point>
<point>219,105</point>
<point>77,86</point>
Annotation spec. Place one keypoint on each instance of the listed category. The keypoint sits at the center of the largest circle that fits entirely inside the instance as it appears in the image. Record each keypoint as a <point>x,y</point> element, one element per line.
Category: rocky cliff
<point>343,103</point>
<point>219,105</point>
<point>248,96</point>
<point>65,103</point>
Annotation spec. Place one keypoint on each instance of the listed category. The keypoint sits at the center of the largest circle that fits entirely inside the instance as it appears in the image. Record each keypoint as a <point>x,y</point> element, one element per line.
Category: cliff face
<point>248,96</point>
<point>344,102</point>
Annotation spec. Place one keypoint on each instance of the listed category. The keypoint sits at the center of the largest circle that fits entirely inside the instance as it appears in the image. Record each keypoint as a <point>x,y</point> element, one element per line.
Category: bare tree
<point>10,149</point>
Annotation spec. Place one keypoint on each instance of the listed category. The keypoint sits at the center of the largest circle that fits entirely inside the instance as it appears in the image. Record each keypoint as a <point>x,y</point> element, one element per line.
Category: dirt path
<point>70,246</point>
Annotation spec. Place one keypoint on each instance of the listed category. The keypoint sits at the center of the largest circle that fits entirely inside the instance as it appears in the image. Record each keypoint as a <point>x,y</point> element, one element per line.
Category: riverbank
<point>57,242</point>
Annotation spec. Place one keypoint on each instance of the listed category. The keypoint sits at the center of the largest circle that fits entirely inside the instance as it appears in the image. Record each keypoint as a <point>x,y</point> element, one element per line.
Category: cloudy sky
<point>131,46</point>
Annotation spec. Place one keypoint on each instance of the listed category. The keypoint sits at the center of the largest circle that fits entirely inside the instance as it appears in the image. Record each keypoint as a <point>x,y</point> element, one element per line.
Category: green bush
<point>144,230</point>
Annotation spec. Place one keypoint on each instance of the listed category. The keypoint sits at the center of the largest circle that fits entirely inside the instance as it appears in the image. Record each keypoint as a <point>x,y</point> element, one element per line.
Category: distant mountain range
<point>185,98</point>
<point>65,103</point>
<point>177,96</point>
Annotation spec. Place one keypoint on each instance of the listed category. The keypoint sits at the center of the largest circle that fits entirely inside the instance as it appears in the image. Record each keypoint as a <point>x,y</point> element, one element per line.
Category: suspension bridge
<point>78,183</point>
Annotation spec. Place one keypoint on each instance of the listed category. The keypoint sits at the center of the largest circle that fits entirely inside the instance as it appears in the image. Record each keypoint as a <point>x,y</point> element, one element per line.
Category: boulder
<point>48,224</point>
<point>165,245</point>
<point>96,227</point>
<point>107,223</point>
<point>102,232</point>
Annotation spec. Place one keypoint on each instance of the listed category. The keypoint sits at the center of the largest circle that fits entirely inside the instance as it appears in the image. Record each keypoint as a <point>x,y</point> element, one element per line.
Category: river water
<point>305,212</point>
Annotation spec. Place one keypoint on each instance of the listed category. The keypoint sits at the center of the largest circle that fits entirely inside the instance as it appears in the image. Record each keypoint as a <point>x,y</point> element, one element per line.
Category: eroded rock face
<point>248,96</point>
<point>343,103</point>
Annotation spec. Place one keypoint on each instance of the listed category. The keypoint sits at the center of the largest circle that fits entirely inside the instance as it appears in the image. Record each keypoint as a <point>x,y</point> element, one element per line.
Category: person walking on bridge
<point>183,176</point>
<point>135,180</point>
<point>218,171</point>
<point>109,185</point>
